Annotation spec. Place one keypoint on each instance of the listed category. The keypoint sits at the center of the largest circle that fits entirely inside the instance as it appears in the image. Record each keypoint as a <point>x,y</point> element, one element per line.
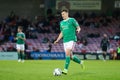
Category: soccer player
<point>20,45</point>
<point>104,45</point>
<point>118,52</point>
<point>69,27</point>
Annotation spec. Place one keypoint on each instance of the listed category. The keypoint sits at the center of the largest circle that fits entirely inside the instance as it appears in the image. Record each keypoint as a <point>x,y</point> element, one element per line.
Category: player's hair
<point>64,10</point>
<point>20,27</point>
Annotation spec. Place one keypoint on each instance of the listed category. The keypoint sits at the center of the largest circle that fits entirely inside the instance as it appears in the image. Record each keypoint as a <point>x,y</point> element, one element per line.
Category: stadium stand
<point>92,29</point>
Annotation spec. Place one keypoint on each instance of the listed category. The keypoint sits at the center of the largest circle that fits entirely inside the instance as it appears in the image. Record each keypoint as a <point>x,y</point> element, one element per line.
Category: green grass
<point>43,69</point>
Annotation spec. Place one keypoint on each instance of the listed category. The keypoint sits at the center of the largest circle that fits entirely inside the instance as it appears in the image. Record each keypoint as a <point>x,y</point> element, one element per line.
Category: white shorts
<point>20,46</point>
<point>69,45</point>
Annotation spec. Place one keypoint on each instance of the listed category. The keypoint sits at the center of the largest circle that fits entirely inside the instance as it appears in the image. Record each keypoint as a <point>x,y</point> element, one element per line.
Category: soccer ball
<point>57,72</point>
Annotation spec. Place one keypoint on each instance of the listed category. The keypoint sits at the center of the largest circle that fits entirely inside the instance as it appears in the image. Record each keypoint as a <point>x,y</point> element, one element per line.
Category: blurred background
<point>31,8</point>
<point>40,20</point>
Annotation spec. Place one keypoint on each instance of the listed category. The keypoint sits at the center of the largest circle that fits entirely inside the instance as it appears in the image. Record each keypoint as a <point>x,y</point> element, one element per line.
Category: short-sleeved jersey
<point>20,41</point>
<point>68,29</point>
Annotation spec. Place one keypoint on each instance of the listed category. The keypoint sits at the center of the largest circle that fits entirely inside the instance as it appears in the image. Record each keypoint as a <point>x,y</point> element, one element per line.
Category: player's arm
<point>75,23</point>
<point>16,38</point>
<point>59,37</point>
<point>23,38</point>
<point>78,29</point>
<point>20,37</point>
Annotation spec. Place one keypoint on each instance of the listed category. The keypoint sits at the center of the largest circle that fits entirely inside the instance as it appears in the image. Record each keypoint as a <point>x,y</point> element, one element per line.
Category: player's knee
<point>18,50</point>
<point>72,57</point>
<point>68,52</point>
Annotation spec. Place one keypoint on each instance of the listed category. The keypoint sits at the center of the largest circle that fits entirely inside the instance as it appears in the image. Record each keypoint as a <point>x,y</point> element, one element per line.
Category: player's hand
<point>78,30</point>
<point>15,38</point>
<point>55,42</point>
<point>19,37</point>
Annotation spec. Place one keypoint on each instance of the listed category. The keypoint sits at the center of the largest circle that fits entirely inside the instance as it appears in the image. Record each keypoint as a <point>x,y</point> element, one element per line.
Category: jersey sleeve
<point>75,23</point>
<point>23,35</point>
<point>17,35</point>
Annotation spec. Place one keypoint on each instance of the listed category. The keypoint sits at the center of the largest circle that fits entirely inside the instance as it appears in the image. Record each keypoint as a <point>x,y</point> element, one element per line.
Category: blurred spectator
<point>118,52</point>
<point>93,35</point>
<point>84,41</point>
<point>76,15</point>
<point>1,38</point>
<point>93,15</point>
<point>49,14</point>
<point>11,37</point>
<point>80,44</point>
<point>11,49</point>
<point>104,45</point>
<point>45,40</point>
<point>35,49</point>
<point>49,46</point>
<point>113,54</point>
<point>1,49</point>
<point>117,36</point>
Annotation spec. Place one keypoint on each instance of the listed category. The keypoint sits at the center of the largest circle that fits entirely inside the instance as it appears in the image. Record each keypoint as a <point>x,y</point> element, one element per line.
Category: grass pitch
<point>43,70</point>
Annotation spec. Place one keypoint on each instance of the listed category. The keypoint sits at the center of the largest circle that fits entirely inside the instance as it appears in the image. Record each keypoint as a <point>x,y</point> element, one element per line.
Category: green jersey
<point>19,40</point>
<point>118,50</point>
<point>68,29</point>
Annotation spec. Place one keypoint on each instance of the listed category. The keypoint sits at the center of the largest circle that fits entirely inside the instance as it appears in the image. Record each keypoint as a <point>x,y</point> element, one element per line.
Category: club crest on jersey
<point>63,27</point>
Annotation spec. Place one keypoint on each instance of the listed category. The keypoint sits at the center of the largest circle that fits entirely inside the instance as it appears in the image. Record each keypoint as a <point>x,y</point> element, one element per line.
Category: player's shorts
<point>20,46</point>
<point>104,48</point>
<point>69,45</point>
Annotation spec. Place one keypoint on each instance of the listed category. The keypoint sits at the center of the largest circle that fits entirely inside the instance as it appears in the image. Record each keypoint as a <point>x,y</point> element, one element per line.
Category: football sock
<point>19,56</point>
<point>23,56</point>
<point>76,59</point>
<point>104,56</point>
<point>67,62</point>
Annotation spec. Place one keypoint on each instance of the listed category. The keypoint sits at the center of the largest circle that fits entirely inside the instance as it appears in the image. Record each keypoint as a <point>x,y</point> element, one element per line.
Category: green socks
<point>67,62</point>
<point>19,57</point>
<point>76,59</point>
<point>23,56</point>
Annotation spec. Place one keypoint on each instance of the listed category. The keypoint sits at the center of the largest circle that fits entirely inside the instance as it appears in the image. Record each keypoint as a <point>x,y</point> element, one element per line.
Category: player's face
<point>19,30</point>
<point>105,35</point>
<point>64,15</point>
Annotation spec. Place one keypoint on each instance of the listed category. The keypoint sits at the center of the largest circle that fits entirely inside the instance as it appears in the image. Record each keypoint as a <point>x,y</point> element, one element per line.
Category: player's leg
<point>104,55</point>
<point>76,58</point>
<point>18,51</point>
<point>23,55</point>
<point>19,56</point>
<point>68,50</point>
<point>22,51</point>
<point>67,60</point>
<point>104,49</point>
